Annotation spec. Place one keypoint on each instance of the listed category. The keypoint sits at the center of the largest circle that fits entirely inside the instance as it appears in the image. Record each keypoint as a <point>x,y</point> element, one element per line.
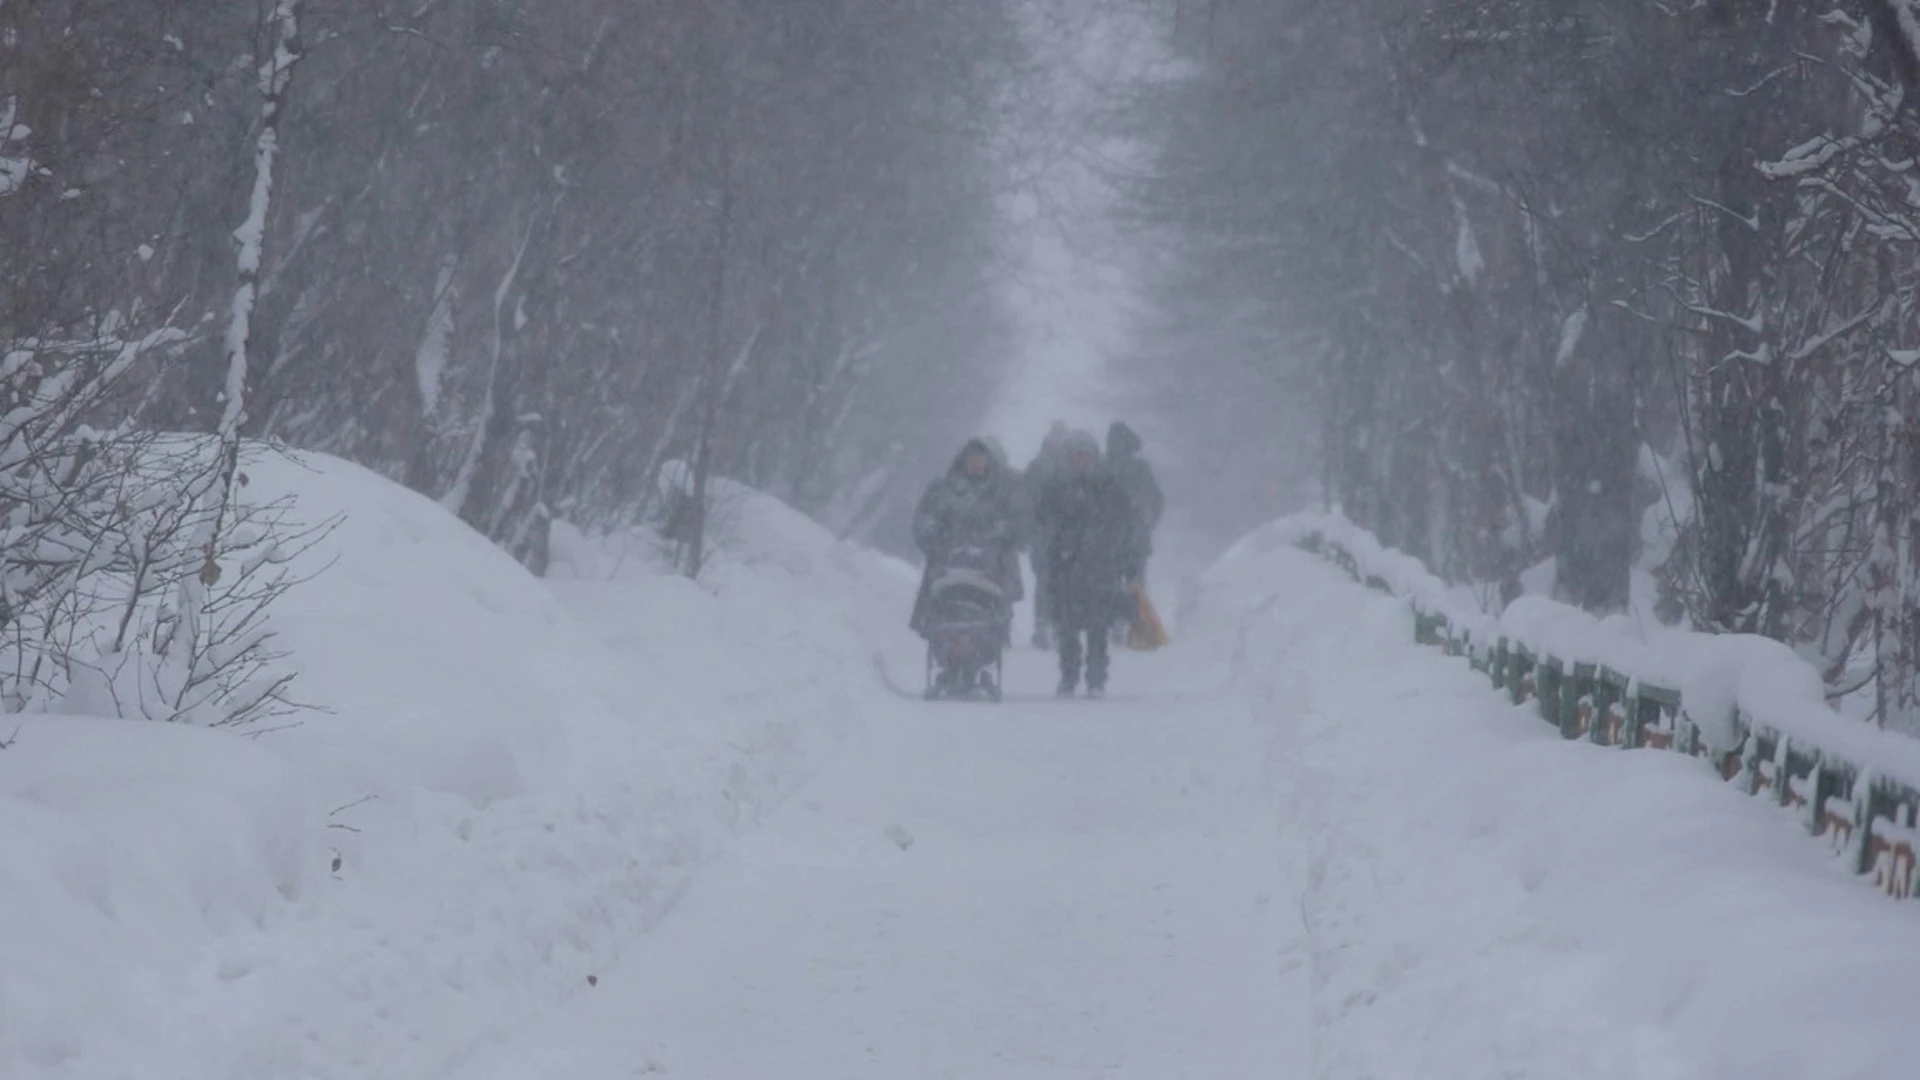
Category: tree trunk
<point>276,74</point>
<point>714,374</point>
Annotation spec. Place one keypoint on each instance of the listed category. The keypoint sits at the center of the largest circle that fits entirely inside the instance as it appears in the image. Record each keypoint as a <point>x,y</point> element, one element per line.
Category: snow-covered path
<point>1041,889</point>
<point>1292,845</point>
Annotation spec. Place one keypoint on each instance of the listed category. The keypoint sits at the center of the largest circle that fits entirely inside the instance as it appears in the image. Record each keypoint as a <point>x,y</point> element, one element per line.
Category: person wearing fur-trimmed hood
<point>972,503</point>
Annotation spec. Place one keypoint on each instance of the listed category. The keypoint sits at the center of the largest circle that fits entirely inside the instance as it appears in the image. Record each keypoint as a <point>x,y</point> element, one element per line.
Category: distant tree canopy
<point>1625,285</point>
<point>520,255</point>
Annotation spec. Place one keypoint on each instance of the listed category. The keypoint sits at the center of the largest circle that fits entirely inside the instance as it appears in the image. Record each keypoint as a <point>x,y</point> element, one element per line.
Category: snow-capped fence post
<point>1817,788</point>
<point>1547,691</point>
<point>1755,763</point>
<point>1840,814</point>
<point>1524,678</point>
<point>1609,707</point>
<point>1656,723</point>
<point>1896,868</point>
<point>1859,831</point>
<point>1890,841</point>
<point>1574,702</point>
<point>1784,760</point>
<point>1579,706</point>
<point>1686,739</point>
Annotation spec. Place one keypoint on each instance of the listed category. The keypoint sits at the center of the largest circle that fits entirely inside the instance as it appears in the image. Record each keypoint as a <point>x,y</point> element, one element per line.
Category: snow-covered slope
<point>514,776</point>
<point>1485,899</point>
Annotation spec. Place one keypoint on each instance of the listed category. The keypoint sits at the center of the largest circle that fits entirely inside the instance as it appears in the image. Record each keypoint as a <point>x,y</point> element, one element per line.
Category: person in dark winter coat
<point>974,503</point>
<point>1048,463</point>
<point>1137,480</point>
<point>1092,551</point>
<point>1143,494</point>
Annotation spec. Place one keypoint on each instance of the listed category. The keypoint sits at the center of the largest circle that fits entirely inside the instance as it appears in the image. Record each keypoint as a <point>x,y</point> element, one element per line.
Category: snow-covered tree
<point>481,255</point>
<point>1548,271</point>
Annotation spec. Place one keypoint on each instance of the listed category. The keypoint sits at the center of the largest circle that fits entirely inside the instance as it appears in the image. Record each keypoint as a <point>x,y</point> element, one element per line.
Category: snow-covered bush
<point>129,584</point>
<point>695,516</point>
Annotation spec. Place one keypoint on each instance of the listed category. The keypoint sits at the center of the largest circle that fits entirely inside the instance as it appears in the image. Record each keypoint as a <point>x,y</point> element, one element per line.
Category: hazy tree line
<point>517,255</point>
<point>522,257</point>
<point>1626,285</point>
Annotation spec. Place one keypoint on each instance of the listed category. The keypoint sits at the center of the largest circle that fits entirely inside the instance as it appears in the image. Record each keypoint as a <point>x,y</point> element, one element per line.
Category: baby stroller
<point>966,626</point>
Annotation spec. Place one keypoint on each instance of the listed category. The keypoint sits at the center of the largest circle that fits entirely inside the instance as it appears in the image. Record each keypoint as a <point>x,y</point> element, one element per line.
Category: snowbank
<point>513,775</point>
<point>125,848</point>
<point>1746,701</point>
<point>1488,899</point>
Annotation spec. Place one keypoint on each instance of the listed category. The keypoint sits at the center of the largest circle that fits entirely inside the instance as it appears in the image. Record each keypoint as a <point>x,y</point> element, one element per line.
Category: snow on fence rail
<point>1746,704</point>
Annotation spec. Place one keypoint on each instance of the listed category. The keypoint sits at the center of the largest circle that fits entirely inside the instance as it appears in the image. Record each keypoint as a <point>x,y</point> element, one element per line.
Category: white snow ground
<point>1484,899</point>
<point>622,825</point>
<point>517,778</point>
<point>1034,890</point>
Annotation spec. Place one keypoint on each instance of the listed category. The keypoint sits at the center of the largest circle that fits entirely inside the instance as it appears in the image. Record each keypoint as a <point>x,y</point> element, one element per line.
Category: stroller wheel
<point>944,683</point>
<point>988,682</point>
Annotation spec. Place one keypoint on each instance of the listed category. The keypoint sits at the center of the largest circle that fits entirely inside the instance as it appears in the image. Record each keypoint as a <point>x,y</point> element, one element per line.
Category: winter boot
<point>1099,660</point>
<point>1071,656</point>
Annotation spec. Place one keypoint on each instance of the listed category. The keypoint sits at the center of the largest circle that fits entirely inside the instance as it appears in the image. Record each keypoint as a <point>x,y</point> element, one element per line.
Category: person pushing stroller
<point>967,527</point>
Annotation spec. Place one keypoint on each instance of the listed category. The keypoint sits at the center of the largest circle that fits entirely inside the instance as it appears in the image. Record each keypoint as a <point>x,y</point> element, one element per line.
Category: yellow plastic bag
<point>1147,632</point>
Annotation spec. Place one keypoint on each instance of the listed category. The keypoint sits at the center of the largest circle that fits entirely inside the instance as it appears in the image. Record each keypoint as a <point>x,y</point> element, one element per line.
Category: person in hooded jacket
<point>1092,551</point>
<point>1136,479</point>
<point>973,503</point>
<point>1046,464</point>
<point>1143,494</point>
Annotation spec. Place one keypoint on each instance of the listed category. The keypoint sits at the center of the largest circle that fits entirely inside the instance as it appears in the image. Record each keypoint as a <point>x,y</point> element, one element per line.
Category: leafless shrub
<point>126,586</point>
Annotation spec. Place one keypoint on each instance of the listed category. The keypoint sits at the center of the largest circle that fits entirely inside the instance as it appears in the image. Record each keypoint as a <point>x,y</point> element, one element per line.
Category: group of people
<point>1086,520</point>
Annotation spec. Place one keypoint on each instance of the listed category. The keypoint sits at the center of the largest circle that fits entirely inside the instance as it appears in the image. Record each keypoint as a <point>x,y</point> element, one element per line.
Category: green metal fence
<point>1868,820</point>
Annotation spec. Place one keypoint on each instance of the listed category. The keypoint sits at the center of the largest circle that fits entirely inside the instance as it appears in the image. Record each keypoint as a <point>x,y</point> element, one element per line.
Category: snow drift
<point>1748,702</point>
<point>1485,898</point>
<point>512,776</point>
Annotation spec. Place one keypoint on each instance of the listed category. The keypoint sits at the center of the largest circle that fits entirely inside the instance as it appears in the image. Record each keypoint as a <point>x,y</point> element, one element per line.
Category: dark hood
<point>1122,441</point>
<point>1084,444</point>
<point>959,466</point>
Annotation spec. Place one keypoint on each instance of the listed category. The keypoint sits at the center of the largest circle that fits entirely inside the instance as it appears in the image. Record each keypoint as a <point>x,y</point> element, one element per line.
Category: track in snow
<point>1028,674</point>
<point>1031,889</point>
